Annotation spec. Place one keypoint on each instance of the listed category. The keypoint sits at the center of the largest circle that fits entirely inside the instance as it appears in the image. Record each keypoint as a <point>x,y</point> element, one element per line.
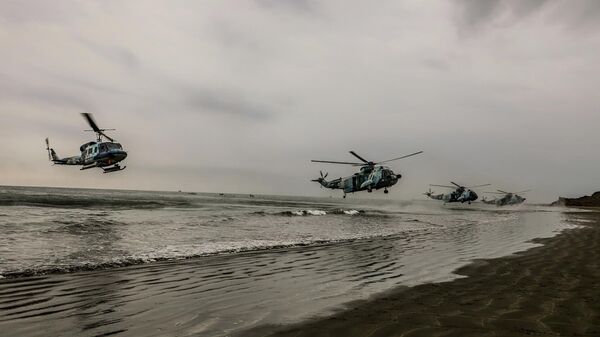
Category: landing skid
<point>114,168</point>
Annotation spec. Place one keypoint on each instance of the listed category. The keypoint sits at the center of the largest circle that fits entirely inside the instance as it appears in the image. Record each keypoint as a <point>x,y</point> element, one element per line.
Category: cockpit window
<point>114,146</point>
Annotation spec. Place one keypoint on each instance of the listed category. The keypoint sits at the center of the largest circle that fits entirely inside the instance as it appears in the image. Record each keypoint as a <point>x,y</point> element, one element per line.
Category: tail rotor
<point>321,179</point>
<point>48,149</point>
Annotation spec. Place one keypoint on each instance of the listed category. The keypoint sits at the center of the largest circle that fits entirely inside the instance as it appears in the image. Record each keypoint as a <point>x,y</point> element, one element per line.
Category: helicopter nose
<point>398,176</point>
<point>120,155</point>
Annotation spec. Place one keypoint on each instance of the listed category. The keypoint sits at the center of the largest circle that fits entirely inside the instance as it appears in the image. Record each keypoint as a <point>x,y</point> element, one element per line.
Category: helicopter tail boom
<point>55,159</point>
<point>332,184</point>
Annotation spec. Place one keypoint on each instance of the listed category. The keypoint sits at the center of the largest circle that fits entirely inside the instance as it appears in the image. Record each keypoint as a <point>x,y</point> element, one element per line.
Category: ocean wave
<point>172,254</point>
<point>318,212</point>
<point>78,201</point>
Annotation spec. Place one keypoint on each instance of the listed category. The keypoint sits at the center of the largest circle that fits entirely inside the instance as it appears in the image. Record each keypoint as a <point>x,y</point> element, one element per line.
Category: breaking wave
<point>318,212</point>
<point>174,254</point>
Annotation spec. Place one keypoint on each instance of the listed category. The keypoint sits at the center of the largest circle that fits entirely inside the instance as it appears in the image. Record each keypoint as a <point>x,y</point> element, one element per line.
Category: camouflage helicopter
<point>99,153</point>
<point>508,198</point>
<point>371,175</point>
<point>460,194</point>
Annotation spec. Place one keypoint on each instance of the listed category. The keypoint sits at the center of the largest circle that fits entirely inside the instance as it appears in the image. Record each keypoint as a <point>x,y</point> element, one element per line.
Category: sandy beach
<point>551,290</point>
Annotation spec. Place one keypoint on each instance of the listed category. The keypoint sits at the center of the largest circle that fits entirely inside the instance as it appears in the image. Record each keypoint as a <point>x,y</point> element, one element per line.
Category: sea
<point>88,262</point>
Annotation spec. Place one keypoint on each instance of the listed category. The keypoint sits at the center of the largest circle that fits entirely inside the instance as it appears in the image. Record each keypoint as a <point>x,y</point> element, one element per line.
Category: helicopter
<point>103,154</point>
<point>371,175</point>
<point>460,194</point>
<point>508,198</point>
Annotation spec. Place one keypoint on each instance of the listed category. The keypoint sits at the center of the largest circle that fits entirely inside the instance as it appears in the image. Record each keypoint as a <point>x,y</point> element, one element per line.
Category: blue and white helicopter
<point>103,154</point>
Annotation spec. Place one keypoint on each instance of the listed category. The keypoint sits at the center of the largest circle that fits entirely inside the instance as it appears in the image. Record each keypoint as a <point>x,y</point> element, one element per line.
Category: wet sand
<point>551,290</point>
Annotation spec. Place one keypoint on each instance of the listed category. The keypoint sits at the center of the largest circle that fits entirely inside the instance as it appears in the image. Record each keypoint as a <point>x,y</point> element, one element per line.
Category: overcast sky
<point>238,96</point>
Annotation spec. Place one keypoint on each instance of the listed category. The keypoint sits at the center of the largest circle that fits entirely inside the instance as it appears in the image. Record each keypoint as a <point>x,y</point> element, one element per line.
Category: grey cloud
<point>44,95</point>
<point>23,12</point>
<point>227,102</point>
<point>436,64</point>
<point>114,54</point>
<point>475,15</point>
<point>59,99</point>
<point>298,5</point>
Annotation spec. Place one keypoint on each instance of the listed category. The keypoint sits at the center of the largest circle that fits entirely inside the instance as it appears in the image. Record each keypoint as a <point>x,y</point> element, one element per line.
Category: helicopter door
<point>348,185</point>
<point>355,182</point>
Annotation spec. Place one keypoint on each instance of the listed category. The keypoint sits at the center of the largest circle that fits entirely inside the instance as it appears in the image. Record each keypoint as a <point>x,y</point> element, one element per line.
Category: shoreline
<point>549,290</point>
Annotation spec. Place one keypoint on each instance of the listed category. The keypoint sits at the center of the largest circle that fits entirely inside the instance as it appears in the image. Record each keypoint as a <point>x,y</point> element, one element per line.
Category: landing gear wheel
<point>344,196</point>
<point>385,191</point>
<point>369,190</point>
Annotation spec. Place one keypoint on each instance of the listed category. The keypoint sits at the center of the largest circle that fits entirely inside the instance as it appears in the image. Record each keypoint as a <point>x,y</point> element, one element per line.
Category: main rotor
<point>508,193</point>
<point>459,186</point>
<point>365,162</point>
<point>99,132</point>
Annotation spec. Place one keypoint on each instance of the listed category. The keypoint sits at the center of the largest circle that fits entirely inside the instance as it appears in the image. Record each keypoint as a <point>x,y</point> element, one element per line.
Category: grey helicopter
<point>460,194</point>
<point>371,176</point>
<point>100,153</point>
<point>508,198</point>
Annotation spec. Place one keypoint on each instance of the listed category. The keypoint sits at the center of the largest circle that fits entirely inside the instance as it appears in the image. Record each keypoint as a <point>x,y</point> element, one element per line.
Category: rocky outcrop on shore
<point>585,201</point>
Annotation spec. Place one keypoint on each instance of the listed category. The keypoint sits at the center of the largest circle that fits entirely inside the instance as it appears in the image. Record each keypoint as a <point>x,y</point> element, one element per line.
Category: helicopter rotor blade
<point>523,191</point>
<point>408,155</point>
<point>479,185</point>
<point>359,157</point>
<point>446,186</point>
<point>455,184</point>
<point>88,117</point>
<point>501,191</point>
<point>335,162</point>
<point>105,136</point>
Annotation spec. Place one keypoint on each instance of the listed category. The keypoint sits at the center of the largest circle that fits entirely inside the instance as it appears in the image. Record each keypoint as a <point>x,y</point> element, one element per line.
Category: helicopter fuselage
<point>101,154</point>
<point>105,155</point>
<point>459,195</point>
<point>372,175</point>
<point>368,179</point>
<point>508,199</point>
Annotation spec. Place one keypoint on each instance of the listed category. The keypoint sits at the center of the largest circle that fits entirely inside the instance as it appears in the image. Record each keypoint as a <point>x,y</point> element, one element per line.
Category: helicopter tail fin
<point>51,153</point>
